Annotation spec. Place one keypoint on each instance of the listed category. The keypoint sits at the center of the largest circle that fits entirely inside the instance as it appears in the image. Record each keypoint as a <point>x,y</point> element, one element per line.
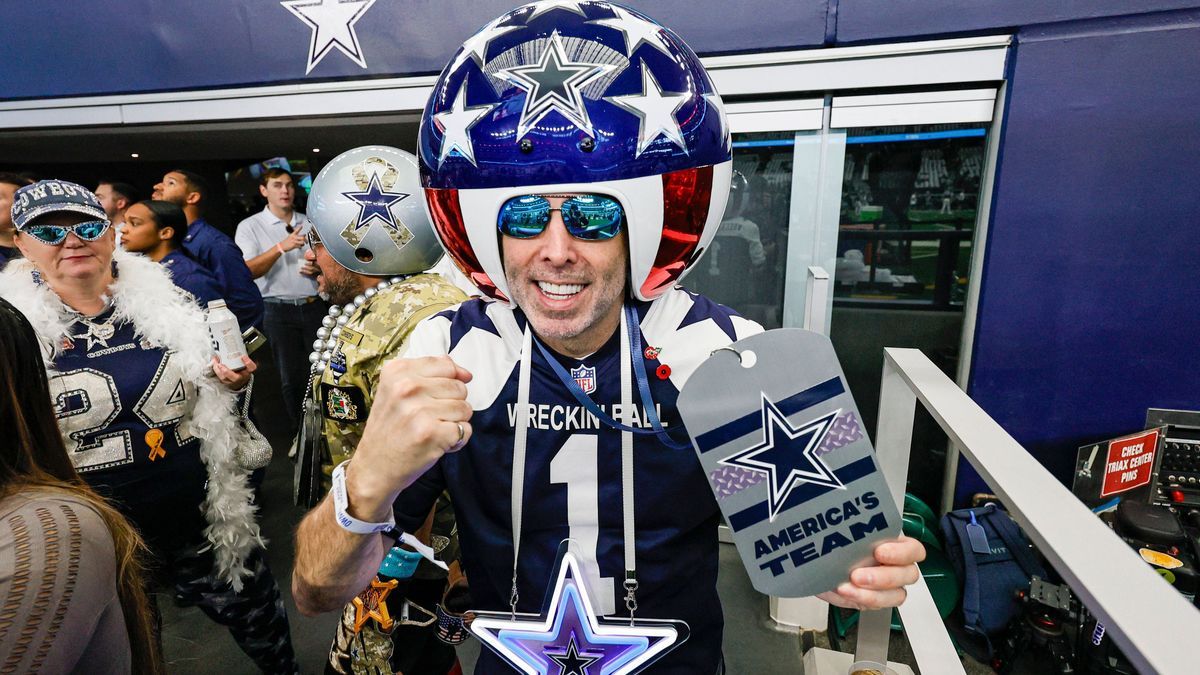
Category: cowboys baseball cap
<point>50,196</point>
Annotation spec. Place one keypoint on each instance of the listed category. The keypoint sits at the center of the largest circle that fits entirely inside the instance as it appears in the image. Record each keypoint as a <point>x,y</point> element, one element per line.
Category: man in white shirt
<point>116,198</point>
<point>272,243</point>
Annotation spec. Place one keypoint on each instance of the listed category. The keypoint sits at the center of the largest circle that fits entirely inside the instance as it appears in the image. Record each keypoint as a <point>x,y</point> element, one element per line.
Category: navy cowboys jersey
<point>573,470</point>
<point>121,404</point>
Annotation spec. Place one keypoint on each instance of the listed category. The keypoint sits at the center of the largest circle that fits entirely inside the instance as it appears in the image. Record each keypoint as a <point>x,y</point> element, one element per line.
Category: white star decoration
<point>332,23</point>
<point>554,83</point>
<point>476,46</point>
<point>655,111</point>
<point>456,124</point>
<point>637,31</point>
<point>540,8</point>
<point>715,103</point>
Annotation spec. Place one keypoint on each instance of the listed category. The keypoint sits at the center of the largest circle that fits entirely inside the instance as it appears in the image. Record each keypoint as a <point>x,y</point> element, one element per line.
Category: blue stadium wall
<point>1090,291</point>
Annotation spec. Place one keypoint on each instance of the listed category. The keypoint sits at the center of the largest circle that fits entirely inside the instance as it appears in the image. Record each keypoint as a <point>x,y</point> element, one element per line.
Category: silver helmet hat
<point>368,209</point>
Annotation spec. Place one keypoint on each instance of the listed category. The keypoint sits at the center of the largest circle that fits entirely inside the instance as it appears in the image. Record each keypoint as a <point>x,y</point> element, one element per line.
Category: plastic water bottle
<point>226,335</point>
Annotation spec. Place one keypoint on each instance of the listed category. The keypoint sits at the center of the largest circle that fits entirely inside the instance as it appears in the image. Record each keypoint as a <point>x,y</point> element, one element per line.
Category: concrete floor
<point>193,644</point>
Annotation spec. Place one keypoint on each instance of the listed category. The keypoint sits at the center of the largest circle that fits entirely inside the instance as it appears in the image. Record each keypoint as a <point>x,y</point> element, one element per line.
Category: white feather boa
<point>165,315</point>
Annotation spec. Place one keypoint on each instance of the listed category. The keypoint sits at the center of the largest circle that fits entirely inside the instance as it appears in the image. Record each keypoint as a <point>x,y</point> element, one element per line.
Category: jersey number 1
<point>577,465</point>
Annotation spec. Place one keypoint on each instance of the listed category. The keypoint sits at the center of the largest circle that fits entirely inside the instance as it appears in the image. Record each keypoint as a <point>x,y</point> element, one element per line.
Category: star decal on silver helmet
<point>554,83</point>
<point>456,124</point>
<point>655,111</point>
<point>637,31</point>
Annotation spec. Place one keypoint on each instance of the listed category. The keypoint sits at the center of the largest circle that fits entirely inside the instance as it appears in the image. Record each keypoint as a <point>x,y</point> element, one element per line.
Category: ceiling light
<point>316,149</point>
<point>133,155</point>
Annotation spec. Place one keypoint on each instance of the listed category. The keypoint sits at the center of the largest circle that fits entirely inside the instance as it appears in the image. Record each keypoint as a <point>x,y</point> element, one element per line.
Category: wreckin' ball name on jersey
<point>576,418</point>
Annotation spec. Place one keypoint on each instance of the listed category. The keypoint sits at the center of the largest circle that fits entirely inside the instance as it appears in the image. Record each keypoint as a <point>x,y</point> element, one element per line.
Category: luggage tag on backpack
<point>978,537</point>
<point>789,461</point>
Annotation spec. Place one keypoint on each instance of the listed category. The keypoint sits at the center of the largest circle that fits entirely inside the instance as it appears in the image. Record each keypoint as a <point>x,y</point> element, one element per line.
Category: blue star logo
<point>788,455</point>
<point>374,202</point>
<point>568,637</point>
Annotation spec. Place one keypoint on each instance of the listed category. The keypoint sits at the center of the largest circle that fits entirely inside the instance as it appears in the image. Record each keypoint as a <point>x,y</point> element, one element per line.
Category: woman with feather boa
<point>147,413</point>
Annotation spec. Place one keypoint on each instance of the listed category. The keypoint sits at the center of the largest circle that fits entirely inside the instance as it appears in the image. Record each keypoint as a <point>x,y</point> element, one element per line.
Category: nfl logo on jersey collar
<point>585,377</point>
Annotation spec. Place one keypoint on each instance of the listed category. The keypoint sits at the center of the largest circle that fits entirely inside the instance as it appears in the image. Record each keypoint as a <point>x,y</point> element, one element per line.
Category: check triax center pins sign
<point>787,457</point>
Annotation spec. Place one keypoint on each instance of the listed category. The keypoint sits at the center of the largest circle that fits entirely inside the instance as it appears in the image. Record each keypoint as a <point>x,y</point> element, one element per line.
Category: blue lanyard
<point>639,371</point>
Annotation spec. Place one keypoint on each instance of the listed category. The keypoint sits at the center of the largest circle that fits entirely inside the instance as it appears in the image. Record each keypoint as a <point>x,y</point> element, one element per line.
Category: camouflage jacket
<point>375,333</point>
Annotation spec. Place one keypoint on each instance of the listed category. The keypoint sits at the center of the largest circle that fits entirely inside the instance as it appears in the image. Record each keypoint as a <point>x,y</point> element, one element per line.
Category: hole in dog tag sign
<point>789,461</point>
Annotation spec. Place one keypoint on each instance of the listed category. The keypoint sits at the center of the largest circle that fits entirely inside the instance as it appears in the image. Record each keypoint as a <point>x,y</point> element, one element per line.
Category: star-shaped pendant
<point>374,202</point>
<point>655,111</point>
<point>455,125</point>
<point>332,23</point>
<point>568,637</point>
<point>372,604</point>
<point>554,83</point>
<point>788,455</point>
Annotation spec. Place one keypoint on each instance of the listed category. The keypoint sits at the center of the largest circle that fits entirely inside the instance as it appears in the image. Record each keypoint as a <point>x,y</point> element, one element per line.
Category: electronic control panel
<point>1176,480</point>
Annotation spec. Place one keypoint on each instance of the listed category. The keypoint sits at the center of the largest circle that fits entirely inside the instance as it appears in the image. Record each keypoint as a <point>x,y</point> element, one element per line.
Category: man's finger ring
<point>461,433</point>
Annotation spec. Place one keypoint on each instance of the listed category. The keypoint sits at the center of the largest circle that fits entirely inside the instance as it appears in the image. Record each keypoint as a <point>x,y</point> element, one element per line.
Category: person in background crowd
<point>156,229</point>
<point>580,245</point>
<point>70,564</point>
<point>271,242</point>
<point>146,410</point>
<point>211,248</point>
<point>116,197</point>
<point>9,184</point>
<point>372,328</point>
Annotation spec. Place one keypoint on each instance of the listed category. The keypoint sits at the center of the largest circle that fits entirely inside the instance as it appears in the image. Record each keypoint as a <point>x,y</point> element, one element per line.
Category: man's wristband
<point>341,502</point>
<point>279,247</point>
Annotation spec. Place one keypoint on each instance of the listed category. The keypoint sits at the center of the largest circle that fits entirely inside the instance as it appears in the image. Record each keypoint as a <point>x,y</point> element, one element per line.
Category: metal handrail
<point>1153,624</point>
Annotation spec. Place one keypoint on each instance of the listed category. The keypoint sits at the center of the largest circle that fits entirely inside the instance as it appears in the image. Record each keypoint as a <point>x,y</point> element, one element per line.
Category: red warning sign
<point>1130,461</point>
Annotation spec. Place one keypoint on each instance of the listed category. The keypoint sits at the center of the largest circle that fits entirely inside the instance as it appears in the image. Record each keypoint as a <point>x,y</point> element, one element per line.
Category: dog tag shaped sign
<point>789,461</point>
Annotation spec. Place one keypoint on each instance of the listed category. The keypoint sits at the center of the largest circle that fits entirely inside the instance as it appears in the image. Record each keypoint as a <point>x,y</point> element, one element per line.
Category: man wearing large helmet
<point>576,162</point>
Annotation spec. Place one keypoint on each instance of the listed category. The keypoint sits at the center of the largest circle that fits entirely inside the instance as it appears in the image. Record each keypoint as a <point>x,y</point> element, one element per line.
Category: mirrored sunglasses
<point>57,234</point>
<point>587,217</point>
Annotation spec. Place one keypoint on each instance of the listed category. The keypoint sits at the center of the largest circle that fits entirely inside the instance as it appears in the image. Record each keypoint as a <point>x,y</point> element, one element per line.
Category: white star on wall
<point>456,124</point>
<point>554,83</point>
<point>332,23</point>
<point>637,31</point>
<point>655,111</point>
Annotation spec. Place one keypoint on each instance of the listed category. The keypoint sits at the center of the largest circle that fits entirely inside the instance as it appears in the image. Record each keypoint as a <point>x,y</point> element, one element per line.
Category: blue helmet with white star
<point>566,96</point>
<point>367,210</point>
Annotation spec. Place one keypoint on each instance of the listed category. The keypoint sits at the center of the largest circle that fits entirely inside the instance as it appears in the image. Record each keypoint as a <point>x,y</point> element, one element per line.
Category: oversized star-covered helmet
<point>366,207</point>
<point>562,96</point>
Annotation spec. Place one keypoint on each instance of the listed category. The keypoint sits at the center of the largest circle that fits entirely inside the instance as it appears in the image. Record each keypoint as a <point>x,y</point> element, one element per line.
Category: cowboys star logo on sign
<point>788,455</point>
<point>332,23</point>
<point>585,377</point>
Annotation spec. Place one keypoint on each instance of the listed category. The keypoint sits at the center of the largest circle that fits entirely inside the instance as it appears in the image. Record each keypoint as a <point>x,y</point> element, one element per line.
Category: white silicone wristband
<point>341,502</point>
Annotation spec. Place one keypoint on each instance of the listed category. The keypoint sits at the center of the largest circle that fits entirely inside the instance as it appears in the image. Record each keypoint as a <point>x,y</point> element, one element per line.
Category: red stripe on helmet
<point>452,231</point>
<point>686,199</point>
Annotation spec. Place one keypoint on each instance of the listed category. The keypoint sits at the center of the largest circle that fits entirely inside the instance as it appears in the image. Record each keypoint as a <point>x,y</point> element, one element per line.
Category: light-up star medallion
<point>332,23</point>
<point>374,202</point>
<point>568,637</point>
<point>788,455</point>
<point>455,125</point>
<point>554,83</point>
<point>655,111</point>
